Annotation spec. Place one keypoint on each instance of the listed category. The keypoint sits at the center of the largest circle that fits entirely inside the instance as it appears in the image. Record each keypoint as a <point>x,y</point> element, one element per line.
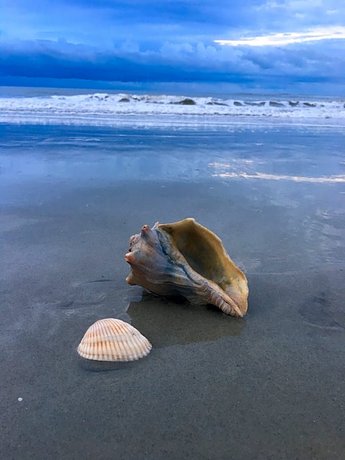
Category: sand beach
<point>269,386</point>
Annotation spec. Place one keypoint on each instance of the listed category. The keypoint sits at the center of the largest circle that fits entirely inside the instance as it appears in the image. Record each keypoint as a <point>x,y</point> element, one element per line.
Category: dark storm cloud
<point>167,41</point>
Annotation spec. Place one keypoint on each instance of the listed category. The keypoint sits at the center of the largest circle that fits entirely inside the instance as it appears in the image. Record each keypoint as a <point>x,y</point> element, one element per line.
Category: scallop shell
<point>188,259</point>
<point>113,340</point>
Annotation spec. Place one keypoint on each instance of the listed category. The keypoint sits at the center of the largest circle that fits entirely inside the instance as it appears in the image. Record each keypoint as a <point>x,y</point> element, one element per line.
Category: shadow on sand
<point>174,321</point>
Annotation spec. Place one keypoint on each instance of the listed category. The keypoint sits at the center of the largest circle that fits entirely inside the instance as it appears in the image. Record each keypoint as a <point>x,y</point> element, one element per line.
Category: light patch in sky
<point>288,38</point>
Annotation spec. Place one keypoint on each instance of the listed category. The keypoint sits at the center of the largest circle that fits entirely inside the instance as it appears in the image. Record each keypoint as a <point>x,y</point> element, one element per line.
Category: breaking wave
<point>118,109</point>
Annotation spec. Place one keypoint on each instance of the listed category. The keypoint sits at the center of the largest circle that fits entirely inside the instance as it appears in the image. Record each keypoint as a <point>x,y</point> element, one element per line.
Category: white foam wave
<point>114,109</point>
<point>334,179</point>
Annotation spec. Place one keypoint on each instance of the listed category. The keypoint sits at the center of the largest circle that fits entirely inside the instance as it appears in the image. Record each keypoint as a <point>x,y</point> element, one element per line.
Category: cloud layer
<point>175,41</point>
<point>288,38</point>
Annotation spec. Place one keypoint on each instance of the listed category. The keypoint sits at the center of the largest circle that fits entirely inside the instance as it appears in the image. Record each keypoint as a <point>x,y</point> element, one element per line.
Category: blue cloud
<point>184,62</point>
<point>187,18</point>
<point>166,41</point>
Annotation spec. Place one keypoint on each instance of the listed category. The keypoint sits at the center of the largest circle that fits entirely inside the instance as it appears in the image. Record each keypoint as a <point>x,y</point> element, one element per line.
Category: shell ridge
<point>121,352</point>
<point>108,336</point>
<point>112,344</point>
<point>136,346</point>
<point>102,343</point>
<point>130,355</point>
<point>221,299</point>
<point>94,344</point>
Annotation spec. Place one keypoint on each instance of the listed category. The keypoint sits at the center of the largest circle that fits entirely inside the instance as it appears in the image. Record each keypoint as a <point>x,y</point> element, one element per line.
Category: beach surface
<point>269,386</point>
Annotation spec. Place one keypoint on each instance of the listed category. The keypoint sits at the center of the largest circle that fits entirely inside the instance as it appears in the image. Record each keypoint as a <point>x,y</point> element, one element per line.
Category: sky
<point>244,45</point>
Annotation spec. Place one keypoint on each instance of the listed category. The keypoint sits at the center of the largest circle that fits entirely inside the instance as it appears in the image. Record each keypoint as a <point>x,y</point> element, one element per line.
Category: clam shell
<point>187,258</point>
<point>111,339</point>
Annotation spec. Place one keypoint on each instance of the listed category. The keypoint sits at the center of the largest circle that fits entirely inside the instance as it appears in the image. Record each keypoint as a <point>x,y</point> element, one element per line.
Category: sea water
<point>80,107</point>
<point>295,166</point>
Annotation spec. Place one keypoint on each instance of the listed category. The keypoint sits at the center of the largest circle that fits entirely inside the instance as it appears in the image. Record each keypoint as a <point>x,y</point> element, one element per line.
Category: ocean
<point>86,107</point>
<point>80,172</point>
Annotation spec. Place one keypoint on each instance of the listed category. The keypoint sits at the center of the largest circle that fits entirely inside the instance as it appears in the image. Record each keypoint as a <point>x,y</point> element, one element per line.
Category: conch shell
<point>186,258</point>
<point>111,339</point>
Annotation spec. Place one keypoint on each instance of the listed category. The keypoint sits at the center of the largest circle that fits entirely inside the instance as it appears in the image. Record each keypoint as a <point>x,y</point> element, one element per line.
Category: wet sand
<point>268,386</point>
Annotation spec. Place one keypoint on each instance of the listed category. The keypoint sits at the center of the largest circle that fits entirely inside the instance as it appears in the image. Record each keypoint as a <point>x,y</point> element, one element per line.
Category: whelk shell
<point>186,258</point>
<point>111,339</point>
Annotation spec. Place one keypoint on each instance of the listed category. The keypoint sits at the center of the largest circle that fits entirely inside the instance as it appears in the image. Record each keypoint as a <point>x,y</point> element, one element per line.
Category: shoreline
<point>166,121</point>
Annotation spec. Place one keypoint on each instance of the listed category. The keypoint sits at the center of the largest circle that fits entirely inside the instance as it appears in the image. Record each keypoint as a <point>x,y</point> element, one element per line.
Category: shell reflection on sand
<point>187,259</point>
<point>113,340</point>
<point>173,321</point>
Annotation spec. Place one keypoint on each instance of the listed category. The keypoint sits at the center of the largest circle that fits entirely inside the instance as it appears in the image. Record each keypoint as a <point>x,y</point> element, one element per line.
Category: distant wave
<point>113,109</point>
<point>336,179</point>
